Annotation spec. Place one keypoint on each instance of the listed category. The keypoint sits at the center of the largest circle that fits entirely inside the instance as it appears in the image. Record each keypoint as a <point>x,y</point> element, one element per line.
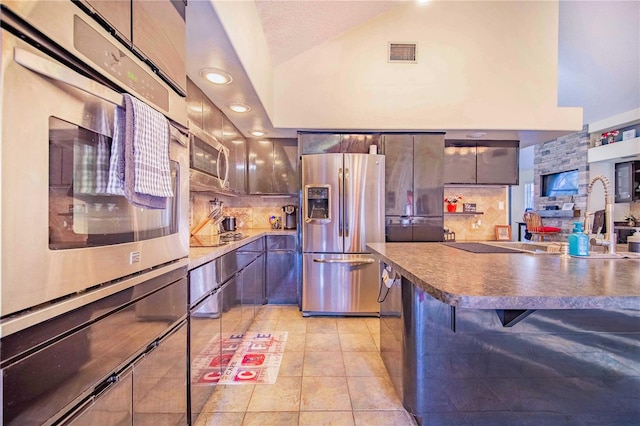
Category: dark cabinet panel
<point>398,175</point>
<point>194,104</point>
<point>159,35</point>
<point>282,270</point>
<point>319,143</point>
<point>237,145</point>
<point>627,182</point>
<point>285,166</point>
<point>282,242</point>
<point>459,162</point>
<point>323,143</point>
<point>497,163</point>
<point>273,166</point>
<point>115,406</point>
<point>359,143</point>
<point>212,119</point>
<point>159,382</point>
<point>205,343</point>
<point>481,162</point>
<point>117,13</point>
<point>260,162</point>
<point>427,178</point>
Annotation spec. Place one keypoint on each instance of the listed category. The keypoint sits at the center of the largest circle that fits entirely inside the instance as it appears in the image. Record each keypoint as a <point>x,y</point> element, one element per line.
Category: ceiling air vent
<point>403,52</point>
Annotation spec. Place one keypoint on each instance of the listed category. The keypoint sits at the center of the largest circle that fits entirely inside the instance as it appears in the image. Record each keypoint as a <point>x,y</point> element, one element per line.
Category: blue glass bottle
<point>578,241</point>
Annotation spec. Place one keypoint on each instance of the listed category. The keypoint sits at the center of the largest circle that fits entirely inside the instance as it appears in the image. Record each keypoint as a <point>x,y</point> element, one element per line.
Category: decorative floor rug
<point>250,358</point>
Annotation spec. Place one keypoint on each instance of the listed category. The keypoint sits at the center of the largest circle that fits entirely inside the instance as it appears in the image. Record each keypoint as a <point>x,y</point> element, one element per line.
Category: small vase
<point>609,140</point>
<point>452,208</point>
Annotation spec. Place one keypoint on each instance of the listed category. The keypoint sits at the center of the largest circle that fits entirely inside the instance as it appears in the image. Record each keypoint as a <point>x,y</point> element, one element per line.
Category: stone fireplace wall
<point>559,155</point>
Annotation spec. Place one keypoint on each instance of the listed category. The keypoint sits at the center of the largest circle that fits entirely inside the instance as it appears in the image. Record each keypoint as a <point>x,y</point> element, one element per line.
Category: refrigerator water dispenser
<point>317,199</point>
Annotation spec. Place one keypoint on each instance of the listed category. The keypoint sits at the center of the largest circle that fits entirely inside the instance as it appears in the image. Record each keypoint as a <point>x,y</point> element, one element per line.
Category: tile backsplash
<point>480,227</point>
<point>249,211</point>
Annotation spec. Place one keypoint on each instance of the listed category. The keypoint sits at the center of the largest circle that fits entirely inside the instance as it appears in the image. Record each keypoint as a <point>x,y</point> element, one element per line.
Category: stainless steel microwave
<point>209,163</point>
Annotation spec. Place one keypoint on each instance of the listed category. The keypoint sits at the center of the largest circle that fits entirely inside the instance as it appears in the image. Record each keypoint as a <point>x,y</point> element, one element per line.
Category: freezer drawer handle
<point>348,261</point>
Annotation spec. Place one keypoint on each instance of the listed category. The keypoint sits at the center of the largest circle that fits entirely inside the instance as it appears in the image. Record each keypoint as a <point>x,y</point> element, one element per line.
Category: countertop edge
<point>512,302</point>
<point>198,256</point>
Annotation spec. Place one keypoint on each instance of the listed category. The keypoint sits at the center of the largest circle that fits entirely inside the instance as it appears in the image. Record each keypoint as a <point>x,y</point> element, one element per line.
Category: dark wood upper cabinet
<point>497,163</point>
<point>481,162</point>
<point>273,166</point>
<point>459,162</point>
<point>154,30</point>
<point>627,182</point>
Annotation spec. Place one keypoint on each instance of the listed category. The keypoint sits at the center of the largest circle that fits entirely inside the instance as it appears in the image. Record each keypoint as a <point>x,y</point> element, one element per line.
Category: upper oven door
<point>61,232</point>
<point>209,163</point>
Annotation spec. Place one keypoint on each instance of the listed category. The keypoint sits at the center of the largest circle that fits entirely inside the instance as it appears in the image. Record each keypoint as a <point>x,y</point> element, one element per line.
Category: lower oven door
<point>61,231</point>
<point>55,366</point>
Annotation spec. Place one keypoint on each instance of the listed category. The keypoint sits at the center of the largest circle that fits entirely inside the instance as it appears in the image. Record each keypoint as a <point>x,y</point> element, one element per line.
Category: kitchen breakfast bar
<point>510,338</point>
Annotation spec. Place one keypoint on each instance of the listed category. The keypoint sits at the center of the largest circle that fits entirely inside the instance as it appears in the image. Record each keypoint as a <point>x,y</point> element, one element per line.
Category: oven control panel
<point>118,64</point>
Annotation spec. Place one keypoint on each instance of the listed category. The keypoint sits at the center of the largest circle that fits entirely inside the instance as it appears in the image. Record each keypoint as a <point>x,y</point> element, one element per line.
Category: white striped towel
<point>151,151</point>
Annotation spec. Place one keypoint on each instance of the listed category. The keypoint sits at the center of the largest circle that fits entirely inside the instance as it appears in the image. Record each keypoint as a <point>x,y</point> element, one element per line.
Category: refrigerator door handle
<point>347,261</point>
<point>340,201</point>
<point>346,204</point>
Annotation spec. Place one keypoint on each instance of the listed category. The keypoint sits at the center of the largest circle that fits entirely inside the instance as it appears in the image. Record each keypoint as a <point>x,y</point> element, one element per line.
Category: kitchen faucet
<point>609,240</point>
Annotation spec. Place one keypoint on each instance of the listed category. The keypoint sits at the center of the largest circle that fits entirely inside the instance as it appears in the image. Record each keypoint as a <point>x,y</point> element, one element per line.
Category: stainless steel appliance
<point>81,268</point>
<point>414,187</point>
<point>154,30</point>
<point>343,209</point>
<point>56,130</point>
<point>229,223</point>
<point>209,162</point>
<point>290,216</point>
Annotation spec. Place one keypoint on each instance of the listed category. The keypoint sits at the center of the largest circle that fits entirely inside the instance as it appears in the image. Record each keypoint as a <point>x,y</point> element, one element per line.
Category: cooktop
<point>215,240</point>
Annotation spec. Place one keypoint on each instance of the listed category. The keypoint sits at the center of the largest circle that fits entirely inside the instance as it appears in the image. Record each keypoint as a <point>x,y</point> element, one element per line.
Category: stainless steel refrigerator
<point>342,210</point>
<point>414,187</point>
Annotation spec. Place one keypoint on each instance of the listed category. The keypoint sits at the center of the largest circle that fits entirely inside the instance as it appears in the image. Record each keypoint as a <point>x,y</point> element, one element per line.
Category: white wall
<point>599,57</point>
<point>516,193</point>
<point>489,65</point>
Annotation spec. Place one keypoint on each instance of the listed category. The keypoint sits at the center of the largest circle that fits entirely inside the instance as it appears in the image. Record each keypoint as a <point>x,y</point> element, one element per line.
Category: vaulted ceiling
<point>291,29</point>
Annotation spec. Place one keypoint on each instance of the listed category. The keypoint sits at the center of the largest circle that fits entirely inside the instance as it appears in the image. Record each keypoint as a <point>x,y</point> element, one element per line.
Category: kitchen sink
<point>534,248</point>
<point>618,255</point>
<point>558,248</point>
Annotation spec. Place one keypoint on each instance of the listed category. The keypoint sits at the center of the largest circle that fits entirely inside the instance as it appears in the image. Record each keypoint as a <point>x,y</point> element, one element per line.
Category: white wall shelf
<point>617,152</point>
<point>616,122</point>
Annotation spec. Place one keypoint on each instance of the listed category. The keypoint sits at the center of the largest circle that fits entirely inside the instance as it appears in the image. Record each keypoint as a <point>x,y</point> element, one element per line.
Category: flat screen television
<point>559,184</point>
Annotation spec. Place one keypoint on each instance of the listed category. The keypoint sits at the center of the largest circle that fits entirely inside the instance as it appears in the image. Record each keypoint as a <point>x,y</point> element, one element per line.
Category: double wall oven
<point>93,289</point>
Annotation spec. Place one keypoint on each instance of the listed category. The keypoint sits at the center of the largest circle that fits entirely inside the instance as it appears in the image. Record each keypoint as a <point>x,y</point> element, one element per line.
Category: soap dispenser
<point>578,241</point>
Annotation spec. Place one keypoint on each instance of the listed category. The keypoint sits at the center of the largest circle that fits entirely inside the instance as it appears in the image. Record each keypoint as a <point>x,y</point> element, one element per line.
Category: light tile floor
<point>331,374</point>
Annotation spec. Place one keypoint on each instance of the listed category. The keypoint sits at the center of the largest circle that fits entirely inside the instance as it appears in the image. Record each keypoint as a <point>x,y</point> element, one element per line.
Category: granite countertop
<point>200,255</point>
<point>515,280</point>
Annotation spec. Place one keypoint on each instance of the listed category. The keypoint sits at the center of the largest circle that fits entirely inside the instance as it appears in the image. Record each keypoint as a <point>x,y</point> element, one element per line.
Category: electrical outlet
<point>500,205</point>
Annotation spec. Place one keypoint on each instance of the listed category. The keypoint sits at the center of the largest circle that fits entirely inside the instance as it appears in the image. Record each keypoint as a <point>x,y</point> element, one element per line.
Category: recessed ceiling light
<point>257,133</point>
<point>237,141</point>
<point>476,135</point>
<point>239,107</point>
<point>216,76</point>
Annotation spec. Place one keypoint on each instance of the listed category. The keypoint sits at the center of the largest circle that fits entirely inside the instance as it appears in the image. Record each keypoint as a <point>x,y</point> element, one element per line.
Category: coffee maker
<point>290,218</point>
